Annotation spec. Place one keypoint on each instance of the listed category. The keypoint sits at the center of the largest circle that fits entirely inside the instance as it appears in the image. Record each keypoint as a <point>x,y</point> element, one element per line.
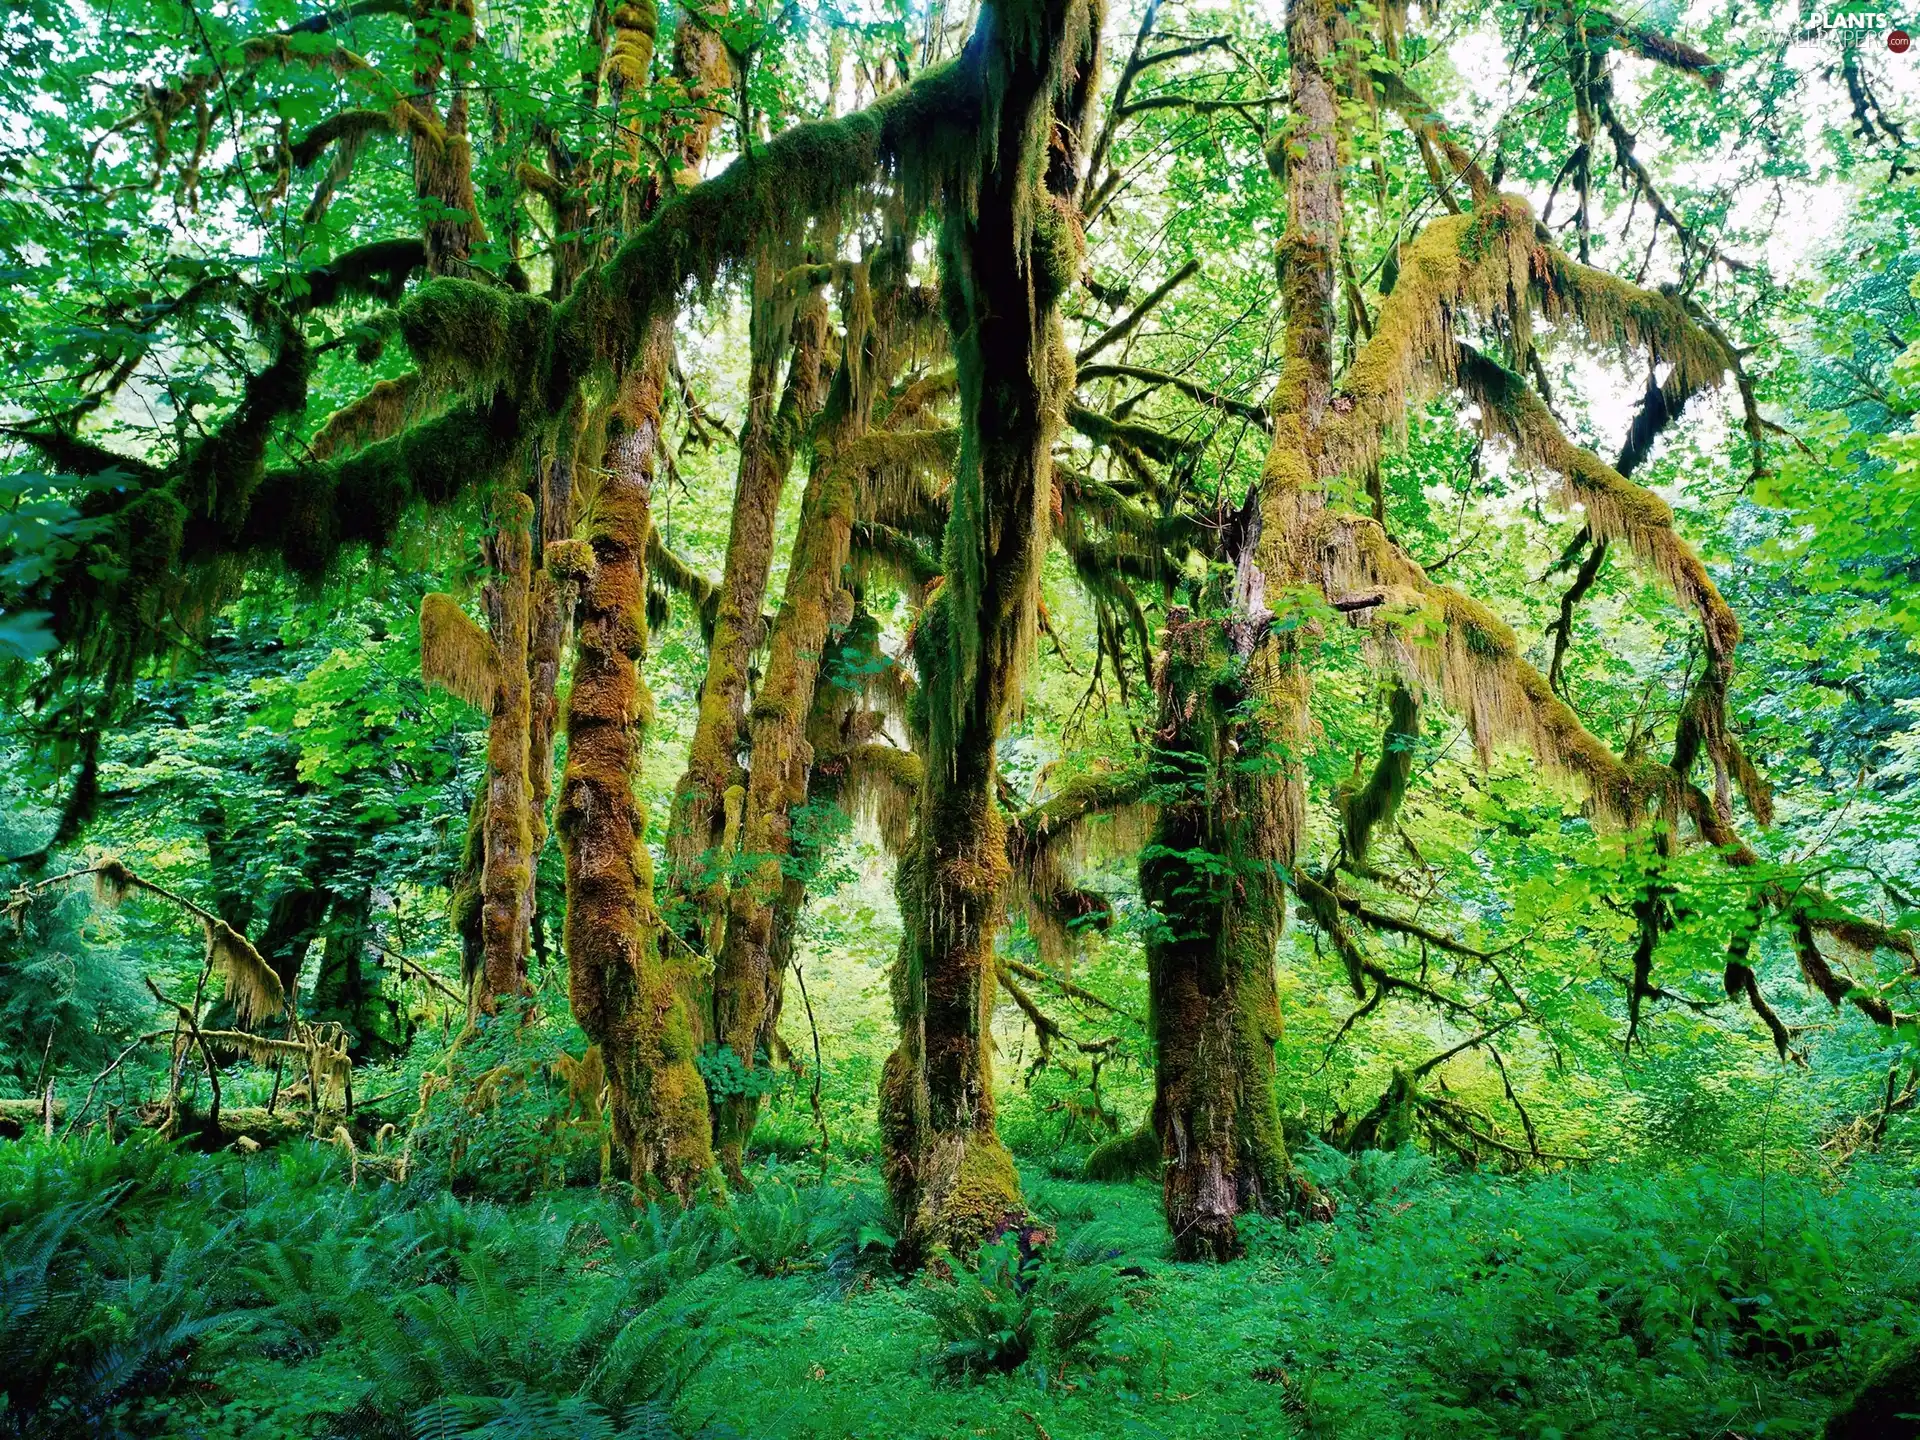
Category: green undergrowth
<point>149,1291</point>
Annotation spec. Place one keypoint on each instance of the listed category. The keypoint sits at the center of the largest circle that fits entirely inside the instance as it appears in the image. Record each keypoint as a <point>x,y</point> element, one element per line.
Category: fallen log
<point>253,1123</point>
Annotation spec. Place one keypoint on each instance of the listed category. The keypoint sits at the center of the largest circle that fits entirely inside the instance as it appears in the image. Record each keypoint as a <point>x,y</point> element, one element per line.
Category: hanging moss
<point>1366,807</point>
<point>456,654</point>
<point>1460,649</point>
<point>383,412</point>
<point>1104,812</point>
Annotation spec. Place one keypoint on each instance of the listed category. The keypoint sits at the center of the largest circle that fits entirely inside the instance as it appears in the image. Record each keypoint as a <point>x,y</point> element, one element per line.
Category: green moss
<point>1126,1157</point>
<point>985,1197</point>
<point>475,338</point>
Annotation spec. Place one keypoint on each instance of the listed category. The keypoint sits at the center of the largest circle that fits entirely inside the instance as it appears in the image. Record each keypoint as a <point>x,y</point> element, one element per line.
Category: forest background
<point>1586,1130</point>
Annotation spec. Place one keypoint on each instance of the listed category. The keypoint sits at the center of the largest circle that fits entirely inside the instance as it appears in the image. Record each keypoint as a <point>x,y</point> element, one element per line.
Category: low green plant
<point>476,1358</point>
<point>1015,1305</point>
<point>80,1351</point>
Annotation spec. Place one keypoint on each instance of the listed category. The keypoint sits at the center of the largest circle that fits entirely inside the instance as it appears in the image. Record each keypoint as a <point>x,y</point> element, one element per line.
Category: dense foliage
<point>721,721</point>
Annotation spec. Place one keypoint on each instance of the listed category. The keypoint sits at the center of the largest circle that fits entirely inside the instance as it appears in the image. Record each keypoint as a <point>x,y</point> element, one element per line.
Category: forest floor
<point>1605,1302</point>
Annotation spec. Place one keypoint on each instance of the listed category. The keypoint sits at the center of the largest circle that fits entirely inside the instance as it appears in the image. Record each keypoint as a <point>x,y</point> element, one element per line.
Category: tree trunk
<point>750,968</point>
<point>443,161</point>
<point>1216,1015</point>
<point>799,770</point>
<point>293,920</point>
<point>709,799</point>
<point>624,993</point>
<point>628,998</point>
<point>345,990</point>
<point>548,630</point>
<point>506,879</point>
<point>1006,257</point>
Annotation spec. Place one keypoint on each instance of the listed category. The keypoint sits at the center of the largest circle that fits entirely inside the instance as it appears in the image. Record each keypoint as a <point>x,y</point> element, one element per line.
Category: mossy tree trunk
<point>442,153</point>
<point>549,628</point>
<point>1216,907</point>
<point>1216,1014</point>
<point>748,970</point>
<point>709,799</point>
<point>793,712</point>
<point>506,921</point>
<point>1008,250</point>
<point>626,996</point>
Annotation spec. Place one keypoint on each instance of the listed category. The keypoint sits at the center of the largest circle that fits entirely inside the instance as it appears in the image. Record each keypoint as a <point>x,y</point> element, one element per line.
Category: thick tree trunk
<point>346,989</point>
<point>709,799</point>
<point>506,879</point>
<point>293,921</point>
<point>1005,260</point>
<point>628,998</point>
<point>1216,1015</point>
<point>625,995</point>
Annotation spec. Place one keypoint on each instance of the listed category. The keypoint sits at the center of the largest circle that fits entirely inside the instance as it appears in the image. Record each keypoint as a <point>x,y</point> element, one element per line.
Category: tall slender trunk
<point>443,160</point>
<point>548,630</point>
<point>709,799</point>
<point>506,881</point>
<point>763,905</point>
<point>1008,251</point>
<point>630,999</point>
<point>1216,1014</point>
<point>625,994</point>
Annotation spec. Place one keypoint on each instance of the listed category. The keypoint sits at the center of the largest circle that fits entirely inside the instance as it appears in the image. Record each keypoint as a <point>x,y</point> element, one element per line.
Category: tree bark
<point>628,998</point>
<point>548,630</point>
<point>443,161</point>
<point>763,907</point>
<point>1214,1014</point>
<point>506,879</point>
<point>343,990</point>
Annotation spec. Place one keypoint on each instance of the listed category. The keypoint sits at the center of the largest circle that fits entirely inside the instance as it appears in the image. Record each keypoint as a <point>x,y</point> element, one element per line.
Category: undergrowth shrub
<point>1014,1306</point>
<point>522,1331</point>
<point>508,1109</point>
<point>81,1346</point>
<point>1594,1304</point>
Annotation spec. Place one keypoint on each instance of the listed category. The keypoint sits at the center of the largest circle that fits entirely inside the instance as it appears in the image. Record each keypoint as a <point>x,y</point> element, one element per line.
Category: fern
<point>1012,1306</point>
